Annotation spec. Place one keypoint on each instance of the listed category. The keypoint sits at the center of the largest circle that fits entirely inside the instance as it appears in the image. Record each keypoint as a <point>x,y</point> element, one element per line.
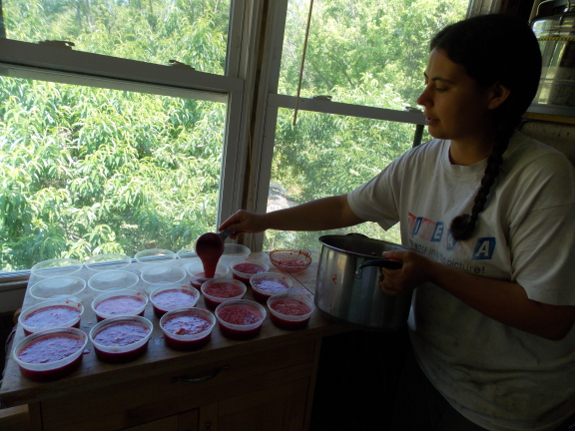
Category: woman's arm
<point>503,301</point>
<point>322,214</point>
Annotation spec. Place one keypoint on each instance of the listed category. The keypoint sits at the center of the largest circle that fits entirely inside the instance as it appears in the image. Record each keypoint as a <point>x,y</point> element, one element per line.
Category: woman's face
<point>455,106</point>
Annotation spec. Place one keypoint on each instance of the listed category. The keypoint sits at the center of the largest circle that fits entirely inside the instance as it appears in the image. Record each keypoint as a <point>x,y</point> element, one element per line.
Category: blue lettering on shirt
<point>416,226</point>
<point>484,248</point>
<point>450,241</point>
<point>437,232</point>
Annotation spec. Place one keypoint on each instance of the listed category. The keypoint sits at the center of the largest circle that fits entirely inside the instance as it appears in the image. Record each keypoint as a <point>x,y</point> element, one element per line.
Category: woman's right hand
<point>243,221</point>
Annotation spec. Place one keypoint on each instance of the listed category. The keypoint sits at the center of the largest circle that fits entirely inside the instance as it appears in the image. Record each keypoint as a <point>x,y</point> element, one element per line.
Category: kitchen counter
<point>231,384</point>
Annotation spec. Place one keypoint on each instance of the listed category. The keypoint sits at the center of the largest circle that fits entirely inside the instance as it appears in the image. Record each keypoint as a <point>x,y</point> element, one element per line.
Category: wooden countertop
<point>17,390</point>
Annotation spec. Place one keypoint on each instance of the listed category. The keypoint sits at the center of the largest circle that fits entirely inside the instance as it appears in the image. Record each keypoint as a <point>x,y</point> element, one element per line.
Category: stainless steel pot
<point>347,285</point>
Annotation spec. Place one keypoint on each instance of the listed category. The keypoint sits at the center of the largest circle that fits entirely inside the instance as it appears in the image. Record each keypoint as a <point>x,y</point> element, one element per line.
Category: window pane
<point>153,31</point>
<point>87,171</point>
<point>365,52</point>
<point>326,155</point>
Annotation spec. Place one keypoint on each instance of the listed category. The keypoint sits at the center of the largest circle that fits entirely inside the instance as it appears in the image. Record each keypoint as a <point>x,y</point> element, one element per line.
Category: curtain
<point>482,7</point>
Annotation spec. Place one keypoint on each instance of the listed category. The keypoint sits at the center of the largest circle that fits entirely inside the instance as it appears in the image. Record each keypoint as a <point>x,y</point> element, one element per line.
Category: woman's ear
<point>498,93</point>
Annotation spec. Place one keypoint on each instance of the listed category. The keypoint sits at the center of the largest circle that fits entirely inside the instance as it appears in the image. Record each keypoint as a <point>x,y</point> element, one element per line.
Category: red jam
<point>121,334</point>
<point>238,314</point>
<point>51,348</point>
<point>172,298</point>
<point>289,307</point>
<point>51,316</point>
<point>118,306</point>
<point>221,290</point>
<point>267,286</point>
<point>186,324</point>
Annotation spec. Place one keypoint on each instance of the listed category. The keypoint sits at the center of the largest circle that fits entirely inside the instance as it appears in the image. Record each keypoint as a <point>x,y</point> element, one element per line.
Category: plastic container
<point>197,276</point>
<point>53,313</point>
<point>61,287</point>
<point>50,354</point>
<point>290,310</point>
<point>121,339</point>
<point>155,256</point>
<point>218,290</point>
<point>233,251</point>
<point>155,275</point>
<point>125,302</point>
<point>114,279</point>
<point>243,269</point>
<point>266,284</point>
<point>291,260</point>
<point>105,262</point>
<point>172,296</point>
<point>187,328</point>
<point>56,268</point>
<point>187,254</point>
<point>240,319</point>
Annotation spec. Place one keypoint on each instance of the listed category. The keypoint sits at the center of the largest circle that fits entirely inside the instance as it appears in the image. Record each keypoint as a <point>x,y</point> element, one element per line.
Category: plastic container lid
<point>233,251</point>
<point>155,256</point>
<point>114,279</point>
<point>104,262</point>
<point>125,302</point>
<point>62,287</point>
<point>56,268</point>
<point>42,371</point>
<point>53,313</point>
<point>186,254</point>
<point>153,275</point>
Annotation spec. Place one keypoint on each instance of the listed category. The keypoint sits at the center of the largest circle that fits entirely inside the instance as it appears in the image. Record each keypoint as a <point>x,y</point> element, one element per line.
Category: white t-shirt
<point>499,377</point>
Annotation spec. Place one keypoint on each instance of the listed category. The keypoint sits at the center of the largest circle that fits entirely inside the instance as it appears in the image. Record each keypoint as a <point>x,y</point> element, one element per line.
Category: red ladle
<point>210,247</point>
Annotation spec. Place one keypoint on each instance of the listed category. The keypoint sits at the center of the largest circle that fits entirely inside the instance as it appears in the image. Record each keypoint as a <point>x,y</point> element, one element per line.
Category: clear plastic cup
<point>233,251</point>
<point>172,296</point>
<point>105,262</point>
<point>155,275</point>
<point>290,310</point>
<point>155,256</point>
<point>61,287</point>
<point>121,339</point>
<point>56,268</point>
<point>266,284</point>
<point>40,358</point>
<point>218,290</point>
<point>53,313</point>
<point>197,275</point>
<point>187,328</point>
<point>114,279</point>
<point>240,318</point>
<point>187,254</point>
<point>243,269</point>
<point>114,303</point>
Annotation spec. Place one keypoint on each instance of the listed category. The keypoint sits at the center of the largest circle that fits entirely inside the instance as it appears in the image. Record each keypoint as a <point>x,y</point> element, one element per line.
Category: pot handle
<point>382,263</point>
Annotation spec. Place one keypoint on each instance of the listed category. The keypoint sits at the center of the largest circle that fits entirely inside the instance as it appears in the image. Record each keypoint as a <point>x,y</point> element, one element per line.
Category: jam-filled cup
<point>240,319</point>
<point>243,269</point>
<point>116,303</point>
<point>50,354</point>
<point>266,284</point>
<point>168,297</point>
<point>53,313</point>
<point>290,310</point>
<point>187,328</point>
<point>218,290</point>
<point>121,339</point>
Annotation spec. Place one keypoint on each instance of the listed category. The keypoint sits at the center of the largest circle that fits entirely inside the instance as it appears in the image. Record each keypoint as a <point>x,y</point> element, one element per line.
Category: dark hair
<point>494,48</point>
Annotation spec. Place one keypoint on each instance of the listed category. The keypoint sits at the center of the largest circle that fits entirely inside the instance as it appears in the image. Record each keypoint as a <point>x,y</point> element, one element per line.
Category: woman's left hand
<point>415,271</point>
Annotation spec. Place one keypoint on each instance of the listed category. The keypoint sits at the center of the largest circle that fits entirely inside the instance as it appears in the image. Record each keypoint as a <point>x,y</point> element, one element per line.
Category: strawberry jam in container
<point>187,328</point>
<point>240,318</point>
<point>290,310</point>
<point>53,313</point>
<point>171,296</point>
<point>50,354</point>
<point>121,339</point>
<point>119,303</point>
<point>243,269</point>
<point>218,290</point>
<point>266,284</point>
<point>197,274</point>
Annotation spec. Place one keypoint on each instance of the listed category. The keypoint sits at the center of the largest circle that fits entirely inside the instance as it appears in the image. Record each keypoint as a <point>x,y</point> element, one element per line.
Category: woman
<point>489,216</point>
